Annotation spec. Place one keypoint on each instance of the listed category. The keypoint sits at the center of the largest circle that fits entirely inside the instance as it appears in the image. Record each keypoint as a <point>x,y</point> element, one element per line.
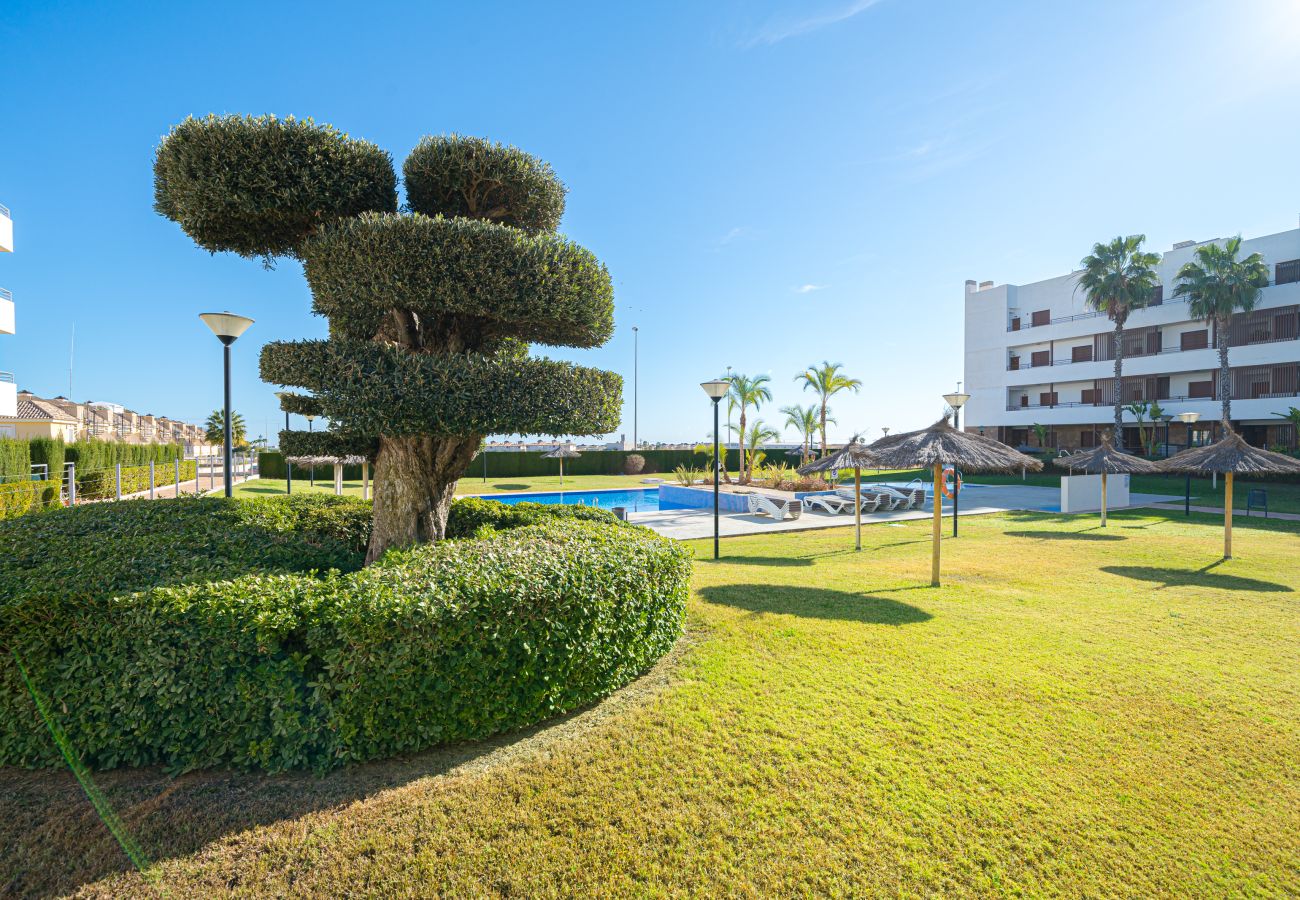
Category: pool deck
<point>689,524</point>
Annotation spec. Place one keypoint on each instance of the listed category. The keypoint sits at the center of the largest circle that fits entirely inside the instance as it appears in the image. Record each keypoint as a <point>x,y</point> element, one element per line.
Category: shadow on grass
<point>1066,535</point>
<point>815,603</point>
<point>54,842</point>
<point>765,560</point>
<point>1196,578</point>
<point>511,486</point>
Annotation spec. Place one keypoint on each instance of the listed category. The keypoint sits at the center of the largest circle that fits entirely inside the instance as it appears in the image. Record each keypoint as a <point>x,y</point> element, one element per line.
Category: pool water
<point>637,500</point>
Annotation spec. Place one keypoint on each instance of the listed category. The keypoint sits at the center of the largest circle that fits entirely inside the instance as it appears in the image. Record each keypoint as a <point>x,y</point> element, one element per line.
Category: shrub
<point>48,452</point>
<point>470,516</point>
<point>15,459</point>
<point>18,498</point>
<point>283,669</point>
<point>633,464</point>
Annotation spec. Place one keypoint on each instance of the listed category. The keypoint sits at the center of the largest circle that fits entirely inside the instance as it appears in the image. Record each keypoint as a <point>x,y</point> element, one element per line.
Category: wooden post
<point>1103,499</point>
<point>936,528</point>
<point>1227,515</point>
<point>857,505</point>
<point>561,473</point>
<point>365,479</point>
<point>338,479</point>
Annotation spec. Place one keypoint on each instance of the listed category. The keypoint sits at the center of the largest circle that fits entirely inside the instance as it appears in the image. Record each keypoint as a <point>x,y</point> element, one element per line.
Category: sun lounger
<point>830,503</point>
<point>883,499</point>
<point>779,510</point>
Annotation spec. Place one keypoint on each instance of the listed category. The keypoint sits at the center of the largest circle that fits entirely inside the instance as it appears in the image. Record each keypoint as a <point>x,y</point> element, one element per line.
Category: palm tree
<point>827,381</point>
<point>1216,285</point>
<point>758,435</point>
<point>1117,279</point>
<point>803,419</point>
<point>215,428</point>
<point>1292,415</point>
<point>748,392</point>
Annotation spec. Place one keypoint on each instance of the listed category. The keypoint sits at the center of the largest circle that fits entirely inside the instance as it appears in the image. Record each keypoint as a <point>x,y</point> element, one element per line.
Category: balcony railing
<point>4,211</point>
<point>1213,345</point>
<point>7,377</point>
<point>5,295</point>
<point>1012,407</point>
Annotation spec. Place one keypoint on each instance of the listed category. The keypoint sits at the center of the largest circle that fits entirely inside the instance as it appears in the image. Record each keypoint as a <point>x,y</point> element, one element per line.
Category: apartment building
<point>59,417</point>
<point>8,390</point>
<point>1036,355</point>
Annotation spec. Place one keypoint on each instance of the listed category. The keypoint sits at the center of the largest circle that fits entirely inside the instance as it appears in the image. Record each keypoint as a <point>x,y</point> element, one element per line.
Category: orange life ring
<point>956,487</point>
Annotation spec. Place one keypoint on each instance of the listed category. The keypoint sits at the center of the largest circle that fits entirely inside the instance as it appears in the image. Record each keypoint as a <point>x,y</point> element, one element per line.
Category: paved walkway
<point>1218,511</point>
<point>688,524</point>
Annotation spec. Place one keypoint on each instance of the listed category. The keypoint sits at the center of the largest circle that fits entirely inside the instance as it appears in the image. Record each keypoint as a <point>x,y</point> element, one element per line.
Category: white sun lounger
<point>831,503</point>
<point>780,510</point>
<point>883,499</point>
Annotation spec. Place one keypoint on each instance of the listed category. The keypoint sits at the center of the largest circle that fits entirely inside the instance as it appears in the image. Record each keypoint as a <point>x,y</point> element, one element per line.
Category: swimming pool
<point>636,500</point>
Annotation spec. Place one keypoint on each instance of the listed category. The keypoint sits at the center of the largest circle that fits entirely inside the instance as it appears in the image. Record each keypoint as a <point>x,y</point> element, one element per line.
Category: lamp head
<point>226,325</point>
<point>716,389</point>
<point>956,400</point>
<point>1189,418</point>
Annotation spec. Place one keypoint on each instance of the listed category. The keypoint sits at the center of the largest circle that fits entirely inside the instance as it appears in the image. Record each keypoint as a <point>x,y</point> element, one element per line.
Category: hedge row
<point>101,484</point>
<point>92,454</point>
<point>15,458</point>
<point>18,498</point>
<point>281,668</point>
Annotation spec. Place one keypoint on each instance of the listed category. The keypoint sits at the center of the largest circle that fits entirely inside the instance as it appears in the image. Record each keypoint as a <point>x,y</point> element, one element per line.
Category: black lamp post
<point>1166,418</point>
<point>636,383</point>
<point>1188,419</point>
<point>716,390</point>
<point>956,400</point>
<point>312,467</point>
<point>288,466</point>
<point>227,327</point>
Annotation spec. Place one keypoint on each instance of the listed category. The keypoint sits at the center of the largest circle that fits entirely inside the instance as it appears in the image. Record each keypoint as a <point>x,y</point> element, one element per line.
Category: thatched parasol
<point>939,447</point>
<point>338,462</point>
<point>1106,460</point>
<point>1232,456</point>
<point>853,455</point>
<point>562,453</point>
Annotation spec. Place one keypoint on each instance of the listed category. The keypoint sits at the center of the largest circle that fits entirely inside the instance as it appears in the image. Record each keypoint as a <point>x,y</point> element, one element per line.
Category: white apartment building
<point>1035,354</point>
<point>8,389</point>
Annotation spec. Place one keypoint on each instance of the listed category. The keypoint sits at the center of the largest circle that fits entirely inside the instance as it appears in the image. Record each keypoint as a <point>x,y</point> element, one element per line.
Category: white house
<point>8,389</point>
<point>1035,354</point>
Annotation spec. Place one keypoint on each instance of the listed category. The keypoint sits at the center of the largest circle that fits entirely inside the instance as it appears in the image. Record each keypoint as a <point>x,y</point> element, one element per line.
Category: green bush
<point>48,452</point>
<point>18,498</point>
<point>101,484</point>
<point>15,459</point>
<point>469,516</point>
<point>283,668</point>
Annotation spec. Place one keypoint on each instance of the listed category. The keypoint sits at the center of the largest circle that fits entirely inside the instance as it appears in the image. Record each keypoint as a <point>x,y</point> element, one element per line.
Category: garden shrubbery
<point>210,632</point>
<point>469,516</point>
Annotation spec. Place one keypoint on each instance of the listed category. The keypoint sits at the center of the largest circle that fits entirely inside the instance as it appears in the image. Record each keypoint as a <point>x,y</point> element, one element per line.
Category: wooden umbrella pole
<point>1103,499</point>
<point>561,472</point>
<point>1227,515</point>
<point>936,529</point>
<point>365,479</point>
<point>857,505</point>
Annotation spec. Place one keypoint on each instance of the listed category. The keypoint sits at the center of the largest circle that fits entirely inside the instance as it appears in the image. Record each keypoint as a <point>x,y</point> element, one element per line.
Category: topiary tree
<point>430,309</point>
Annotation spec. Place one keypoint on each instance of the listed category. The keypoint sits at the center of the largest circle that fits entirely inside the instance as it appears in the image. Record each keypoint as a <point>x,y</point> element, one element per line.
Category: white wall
<point>8,398</point>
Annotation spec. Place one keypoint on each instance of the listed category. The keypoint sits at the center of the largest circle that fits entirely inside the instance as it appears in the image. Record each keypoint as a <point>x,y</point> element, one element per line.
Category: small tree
<point>214,429</point>
<point>748,392</point>
<point>1042,432</point>
<point>803,419</point>
<point>430,309</point>
<point>1292,415</point>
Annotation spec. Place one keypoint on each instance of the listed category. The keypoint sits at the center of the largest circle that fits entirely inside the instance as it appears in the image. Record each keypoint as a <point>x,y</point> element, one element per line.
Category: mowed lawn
<point>1075,712</point>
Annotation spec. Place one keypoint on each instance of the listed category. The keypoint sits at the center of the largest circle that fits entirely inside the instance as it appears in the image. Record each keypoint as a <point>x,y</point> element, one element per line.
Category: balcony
<point>6,230</point>
<point>6,312</point>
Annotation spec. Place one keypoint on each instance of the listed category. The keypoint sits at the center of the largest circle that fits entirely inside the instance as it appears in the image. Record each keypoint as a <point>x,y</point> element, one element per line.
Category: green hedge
<point>471,516</point>
<point>15,458</point>
<point>18,498</point>
<point>101,484</point>
<point>282,668</point>
<point>49,452</point>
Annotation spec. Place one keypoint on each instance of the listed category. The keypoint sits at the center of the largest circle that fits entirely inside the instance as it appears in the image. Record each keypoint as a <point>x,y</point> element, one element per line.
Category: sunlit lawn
<point>1075,712</point>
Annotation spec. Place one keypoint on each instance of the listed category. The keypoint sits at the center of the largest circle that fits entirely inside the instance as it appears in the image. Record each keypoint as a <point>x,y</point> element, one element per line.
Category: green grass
<point>468,485</point>
<point>1074,712</point>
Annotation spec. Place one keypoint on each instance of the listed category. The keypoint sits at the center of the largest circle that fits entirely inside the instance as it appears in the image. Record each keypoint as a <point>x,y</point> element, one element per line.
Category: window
<point>1159,296</point>
<point>1088,395</point>
<point>1081,354</point>
<point>1015,323</point>
<point>1041,358</point>
<point>1015,363</point>
<point>1047,398</point>
<point>1200,389</point>
<point>1287,272</point>
<point>1194,340</point>
<point>1041,317</point>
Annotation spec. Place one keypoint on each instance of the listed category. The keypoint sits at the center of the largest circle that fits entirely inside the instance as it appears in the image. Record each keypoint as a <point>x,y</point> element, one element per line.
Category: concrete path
<point>1236,513</point>
<point>688,524</point>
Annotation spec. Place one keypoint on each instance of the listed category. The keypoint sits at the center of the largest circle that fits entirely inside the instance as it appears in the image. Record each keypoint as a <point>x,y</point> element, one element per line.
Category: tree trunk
<point>1225,374</point>
<point>415,480</point>
<point>1119,385</point>
<point>825,475</point>
<point>740,445</point>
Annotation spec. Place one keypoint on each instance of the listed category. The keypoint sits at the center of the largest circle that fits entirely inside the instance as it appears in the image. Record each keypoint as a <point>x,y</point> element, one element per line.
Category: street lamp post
<point>1188,419</point>
<point>288,466</point>
<point>311,468</point>
<point>227,327</point>
<point>716,390</point>
<point>956,400</point>
<point>1166,418</point>
<point>636,382</point>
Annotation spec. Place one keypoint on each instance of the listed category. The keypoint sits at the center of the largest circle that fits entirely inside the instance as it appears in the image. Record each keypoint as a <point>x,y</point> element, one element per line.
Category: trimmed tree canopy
<point>326,443</point>
<point>538,288</point>
<point>258,186</point>
<point>451,175</point>
<point>367,387</point>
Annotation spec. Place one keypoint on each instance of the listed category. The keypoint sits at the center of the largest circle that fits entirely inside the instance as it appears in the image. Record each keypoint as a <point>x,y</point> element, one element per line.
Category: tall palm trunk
<point>825,475</point>
<point>1225,375</point>
<point>740,444</point>
<point>1119,384</point>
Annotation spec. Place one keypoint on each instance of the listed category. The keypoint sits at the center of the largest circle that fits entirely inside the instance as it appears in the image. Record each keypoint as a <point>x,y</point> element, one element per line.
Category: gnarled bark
<point>415,481</point>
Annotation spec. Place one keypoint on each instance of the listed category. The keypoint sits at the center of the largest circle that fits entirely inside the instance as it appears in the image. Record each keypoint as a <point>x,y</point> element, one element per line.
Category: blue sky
<point>771,184</point>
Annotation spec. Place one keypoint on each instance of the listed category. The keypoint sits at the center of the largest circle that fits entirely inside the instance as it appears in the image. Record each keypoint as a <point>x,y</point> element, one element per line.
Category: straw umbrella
<point>1232,456</point>
<point>853,455</point>
<point>562,453</point>
<point>938,447</point>
<point>338,462</point>
<point>1106,460</point>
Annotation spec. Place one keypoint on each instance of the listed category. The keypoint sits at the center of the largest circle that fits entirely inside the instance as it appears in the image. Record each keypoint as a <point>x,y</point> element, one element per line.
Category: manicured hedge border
<point>281,670</point>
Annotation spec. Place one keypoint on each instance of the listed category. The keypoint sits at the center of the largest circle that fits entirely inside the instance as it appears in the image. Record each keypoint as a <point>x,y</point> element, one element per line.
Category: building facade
<point>59,417</point>
<point>8,390</point>
<point>1036,355</point>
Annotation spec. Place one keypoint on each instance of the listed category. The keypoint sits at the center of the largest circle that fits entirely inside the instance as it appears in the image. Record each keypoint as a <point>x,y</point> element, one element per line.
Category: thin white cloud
<point>809,288</point>
<point>734,236</point>
<point>780,28</point>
